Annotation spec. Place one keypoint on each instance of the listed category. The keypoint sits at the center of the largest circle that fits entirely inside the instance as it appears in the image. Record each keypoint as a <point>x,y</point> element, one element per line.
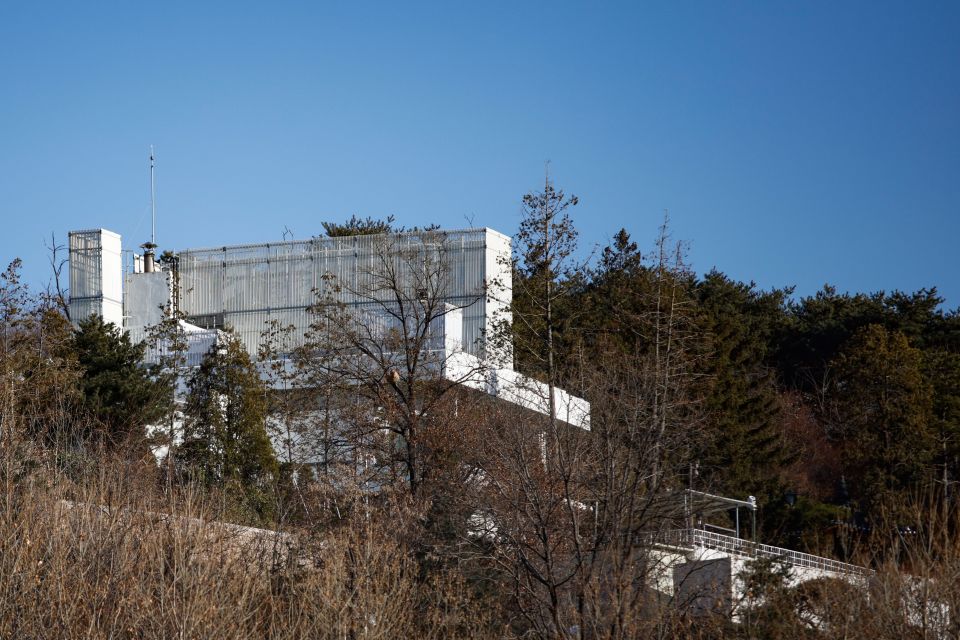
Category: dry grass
<point>99,559</point>
<point>110,556</point>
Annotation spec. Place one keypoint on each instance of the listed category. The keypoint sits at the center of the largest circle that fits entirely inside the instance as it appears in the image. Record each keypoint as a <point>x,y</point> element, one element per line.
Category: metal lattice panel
<point>248,285</point>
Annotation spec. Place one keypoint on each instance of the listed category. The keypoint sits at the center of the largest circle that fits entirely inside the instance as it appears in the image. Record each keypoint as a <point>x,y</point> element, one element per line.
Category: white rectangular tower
<point>96,276</point>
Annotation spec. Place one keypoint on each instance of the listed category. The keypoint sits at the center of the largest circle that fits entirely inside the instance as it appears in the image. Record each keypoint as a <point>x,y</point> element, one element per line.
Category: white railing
<point>738,546</point>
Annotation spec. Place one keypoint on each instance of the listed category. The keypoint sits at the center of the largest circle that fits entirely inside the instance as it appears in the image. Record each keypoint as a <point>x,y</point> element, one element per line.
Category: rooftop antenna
<point>148,247</point>
<point>153,203</point>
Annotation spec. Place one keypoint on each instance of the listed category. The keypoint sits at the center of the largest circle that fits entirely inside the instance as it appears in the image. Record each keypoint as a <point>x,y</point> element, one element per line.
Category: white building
<point>246,286</point>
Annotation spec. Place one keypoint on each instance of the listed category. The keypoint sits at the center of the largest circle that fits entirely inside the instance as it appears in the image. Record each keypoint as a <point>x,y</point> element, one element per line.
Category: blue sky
<point>793,143</point>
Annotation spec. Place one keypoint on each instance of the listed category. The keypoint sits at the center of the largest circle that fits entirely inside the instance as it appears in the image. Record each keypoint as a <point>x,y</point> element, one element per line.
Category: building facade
<point>245,287</point>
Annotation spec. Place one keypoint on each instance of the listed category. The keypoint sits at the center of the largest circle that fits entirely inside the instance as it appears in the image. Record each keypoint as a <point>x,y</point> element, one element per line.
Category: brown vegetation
<point>110,564</point>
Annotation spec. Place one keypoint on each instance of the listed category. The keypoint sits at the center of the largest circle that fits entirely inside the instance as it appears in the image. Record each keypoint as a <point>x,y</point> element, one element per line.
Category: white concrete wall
<point>513,387</point>
<point>688,574</point>
<point>499,295</point>
<point>111,265</point>
<point>146,297</point>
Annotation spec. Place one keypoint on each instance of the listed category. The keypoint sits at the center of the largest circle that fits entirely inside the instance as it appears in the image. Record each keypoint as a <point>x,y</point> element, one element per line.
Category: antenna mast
<point>148,247</point>
<point>153,203</point>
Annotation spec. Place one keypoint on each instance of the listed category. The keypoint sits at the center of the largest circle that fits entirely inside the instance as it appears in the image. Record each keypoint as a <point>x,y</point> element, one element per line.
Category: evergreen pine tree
<point>611,303</point>
<point>883,406</point>
<point>117,388</point>
<point>942,373</point>
<point>225,439</point>
<point>545,276</point>
<point>745,452</point>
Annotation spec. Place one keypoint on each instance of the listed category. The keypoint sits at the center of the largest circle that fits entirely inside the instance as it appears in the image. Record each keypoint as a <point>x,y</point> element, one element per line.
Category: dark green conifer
<point>745,452</point>
<point>882,404</point>
<point>225,438</point>
<point>117,389</point>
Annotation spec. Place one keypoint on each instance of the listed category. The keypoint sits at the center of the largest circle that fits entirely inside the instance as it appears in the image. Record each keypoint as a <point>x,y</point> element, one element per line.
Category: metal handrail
<point>739,546</point>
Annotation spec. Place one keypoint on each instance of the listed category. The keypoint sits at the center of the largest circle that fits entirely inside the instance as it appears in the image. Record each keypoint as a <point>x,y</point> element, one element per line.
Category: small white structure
<point>704,568</point>
<point>694,565</point>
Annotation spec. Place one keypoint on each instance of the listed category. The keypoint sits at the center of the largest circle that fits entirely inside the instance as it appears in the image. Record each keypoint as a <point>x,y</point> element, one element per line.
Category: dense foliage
<point>849,401</point>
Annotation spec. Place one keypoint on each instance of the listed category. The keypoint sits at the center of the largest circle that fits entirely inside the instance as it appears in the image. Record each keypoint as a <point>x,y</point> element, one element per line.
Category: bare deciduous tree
<point>379,353</point>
